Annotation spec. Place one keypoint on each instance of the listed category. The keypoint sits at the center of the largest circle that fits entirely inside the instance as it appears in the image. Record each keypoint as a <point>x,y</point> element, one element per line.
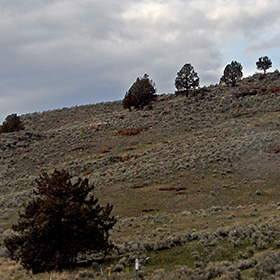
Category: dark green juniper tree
<point>264,63</point>
<point>232,73</point>
<point>11,123</point>
<point>140,94</point>
<point>187,79</point>
<point>62,222</point>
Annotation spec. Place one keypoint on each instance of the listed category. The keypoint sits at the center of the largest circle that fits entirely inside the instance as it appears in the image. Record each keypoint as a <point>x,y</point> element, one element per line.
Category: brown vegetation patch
<point>273,89</point>
<point>248,91</point>
<point>124,159</point>
<point>166,189</point>
<point>180,193</point>
<point>272,150</point>
<point>173,189</point>
<point>166,112</point>
<point>131,131</point>
<point>78,148</point>
<point>137,187</point>
<point>130,149</point>
<point>148,210</point>
<point>181,189</point>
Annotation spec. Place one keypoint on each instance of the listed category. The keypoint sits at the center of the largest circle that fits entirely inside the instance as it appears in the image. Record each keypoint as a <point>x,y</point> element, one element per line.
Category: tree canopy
<point>12,123</point>
<point>264,63</point>
<point>232,73</point>
<point>61,223</point>
<point>186,79</point>
<point>140,94</point>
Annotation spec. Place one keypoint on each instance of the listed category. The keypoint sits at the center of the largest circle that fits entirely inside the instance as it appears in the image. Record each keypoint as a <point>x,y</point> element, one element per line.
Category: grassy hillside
<point>195,181</point>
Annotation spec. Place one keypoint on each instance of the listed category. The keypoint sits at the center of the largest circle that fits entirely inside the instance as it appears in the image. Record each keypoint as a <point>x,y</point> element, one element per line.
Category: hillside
<point>190,166</point>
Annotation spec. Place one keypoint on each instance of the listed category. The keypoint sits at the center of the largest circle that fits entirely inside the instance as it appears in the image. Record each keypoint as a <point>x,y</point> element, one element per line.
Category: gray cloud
<point>273,43</point>
<point>59,53</point>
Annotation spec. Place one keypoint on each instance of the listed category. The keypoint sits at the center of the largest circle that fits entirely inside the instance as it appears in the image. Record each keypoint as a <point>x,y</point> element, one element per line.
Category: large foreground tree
<point>62,222</point>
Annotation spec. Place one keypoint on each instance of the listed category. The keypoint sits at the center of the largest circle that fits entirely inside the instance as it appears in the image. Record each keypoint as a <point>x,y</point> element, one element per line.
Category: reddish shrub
<point>273,89</point>
<point>131,131</point>
<point>137,187</point>
<point>124,159</point>
<point>78,148</point>
<point>148,210</point>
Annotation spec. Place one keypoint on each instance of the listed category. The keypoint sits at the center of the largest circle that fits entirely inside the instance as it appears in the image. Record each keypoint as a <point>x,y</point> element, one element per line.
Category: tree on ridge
<point>232,73</point>
<point>12,123</point>
<point>141,93</point>
<point>264,63</point>
<point>187,79</point>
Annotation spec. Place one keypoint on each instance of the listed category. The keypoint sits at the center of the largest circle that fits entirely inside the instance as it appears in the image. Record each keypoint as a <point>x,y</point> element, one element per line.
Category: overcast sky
<point>61,53</point>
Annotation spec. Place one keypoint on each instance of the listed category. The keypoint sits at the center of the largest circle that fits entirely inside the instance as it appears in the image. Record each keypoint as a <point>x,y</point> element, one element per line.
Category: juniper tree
<point>264,63</point>
<point>61,222</point>
<point>11,123</point>
<point>140,94</point>
<point>232,73</point>
<point>187,79</point>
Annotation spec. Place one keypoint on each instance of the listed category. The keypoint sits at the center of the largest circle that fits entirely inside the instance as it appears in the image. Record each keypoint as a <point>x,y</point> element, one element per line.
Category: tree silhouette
<point>264,63</point>
<point>12,123</point>
<point>187,79</point>
<point>232,73</point>
<point>140,94</point>
<point>62,222</point>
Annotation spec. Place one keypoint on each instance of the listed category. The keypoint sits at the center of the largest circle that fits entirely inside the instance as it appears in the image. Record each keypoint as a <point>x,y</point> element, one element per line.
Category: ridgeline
<point>194,181</point>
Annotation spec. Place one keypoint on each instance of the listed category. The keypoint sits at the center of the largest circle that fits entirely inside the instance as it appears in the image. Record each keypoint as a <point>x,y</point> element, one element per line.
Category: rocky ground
<point>219,147</point>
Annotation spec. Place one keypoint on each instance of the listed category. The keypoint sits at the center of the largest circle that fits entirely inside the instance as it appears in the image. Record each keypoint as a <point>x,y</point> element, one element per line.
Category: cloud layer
<point>60,53</point>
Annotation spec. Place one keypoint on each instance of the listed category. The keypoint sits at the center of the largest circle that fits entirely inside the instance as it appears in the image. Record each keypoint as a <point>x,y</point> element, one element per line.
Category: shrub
<point>232,73</point>
<point>12,123</point>
<point>119,267</point>
<point>140,94</point>
<point>131,131</point>
<point>62,221</point>
<point>264,63</point>
<point>187,79</point>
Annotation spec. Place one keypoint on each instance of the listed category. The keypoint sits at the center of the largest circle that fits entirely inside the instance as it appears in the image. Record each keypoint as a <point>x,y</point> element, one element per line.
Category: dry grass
<point>11,270</point>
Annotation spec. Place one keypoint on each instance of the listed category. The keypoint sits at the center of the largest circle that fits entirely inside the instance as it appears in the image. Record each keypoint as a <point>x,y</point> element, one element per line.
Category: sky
<point>62,53</point>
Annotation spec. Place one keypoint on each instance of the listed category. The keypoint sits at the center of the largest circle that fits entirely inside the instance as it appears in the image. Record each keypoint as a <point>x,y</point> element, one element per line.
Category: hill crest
<point>217,149</point>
